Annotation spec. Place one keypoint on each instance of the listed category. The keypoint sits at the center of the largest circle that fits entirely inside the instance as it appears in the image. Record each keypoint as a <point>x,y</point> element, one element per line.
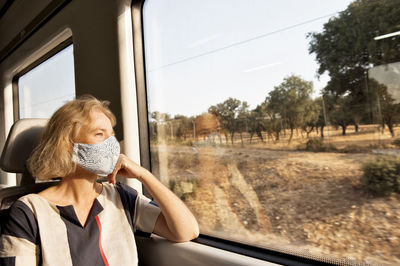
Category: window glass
<point>277,121</point>
<point>48,86</point>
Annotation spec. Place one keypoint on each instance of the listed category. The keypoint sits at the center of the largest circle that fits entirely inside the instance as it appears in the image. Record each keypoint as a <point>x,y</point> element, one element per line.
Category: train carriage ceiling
<point>4,5</point>
<point>14,28</point>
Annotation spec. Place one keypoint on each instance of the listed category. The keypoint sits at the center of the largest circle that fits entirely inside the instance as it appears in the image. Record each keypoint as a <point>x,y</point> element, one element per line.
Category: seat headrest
<point>23,137</point>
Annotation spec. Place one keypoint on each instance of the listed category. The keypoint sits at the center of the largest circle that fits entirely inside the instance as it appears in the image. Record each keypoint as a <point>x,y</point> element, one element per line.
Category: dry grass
<point>269,195</point>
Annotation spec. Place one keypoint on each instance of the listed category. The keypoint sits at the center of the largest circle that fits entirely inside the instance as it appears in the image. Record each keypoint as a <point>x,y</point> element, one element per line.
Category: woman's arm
<point>175,222</point>
<point>19,239</point>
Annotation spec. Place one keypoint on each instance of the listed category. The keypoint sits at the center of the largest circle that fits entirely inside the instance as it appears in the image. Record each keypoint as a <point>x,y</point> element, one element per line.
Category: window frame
<point>140,78</point>
<point>245,249</point>
<point>15,88</point>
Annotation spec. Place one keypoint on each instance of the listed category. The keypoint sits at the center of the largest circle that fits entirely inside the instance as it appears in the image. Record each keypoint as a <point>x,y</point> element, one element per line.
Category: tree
<point>274,103</point>
<point>227,112</point>
<point>289,100</point>
<point>184,126</point>
<point>347,41</point>
<point>160,117</point>
<point>341,113</point>
<point>242,119</point>
<point>346,49</point>
<point>158,124</point>
<point>257,121</point>
<point>312,110</point>
<point>386,108</point>
<point>322,115</point>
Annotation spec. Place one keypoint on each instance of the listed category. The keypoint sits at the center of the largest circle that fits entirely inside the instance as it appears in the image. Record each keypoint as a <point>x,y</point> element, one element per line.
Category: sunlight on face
<point>96,130</point>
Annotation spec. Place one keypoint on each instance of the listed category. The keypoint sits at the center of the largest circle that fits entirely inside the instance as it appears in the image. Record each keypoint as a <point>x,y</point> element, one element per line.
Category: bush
<point>183,160</point>
<point>396,143</point>
<point>331,147</point>
<point>382,176</point>
<point>353,148</point>
<point>183,187</point>
<point>317,145</point>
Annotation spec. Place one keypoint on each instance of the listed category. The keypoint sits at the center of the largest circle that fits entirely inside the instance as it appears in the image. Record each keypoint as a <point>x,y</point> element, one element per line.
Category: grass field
<point>276,196</point>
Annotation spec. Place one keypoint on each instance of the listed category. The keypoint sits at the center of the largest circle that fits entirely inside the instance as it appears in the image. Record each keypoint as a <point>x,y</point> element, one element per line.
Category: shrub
<point>183,187</point>
<point>317,145</point>
<point>331,147</point>
<point>353,148</point>
<point>301,147</point>
<point>396,143</point>
<point>382,176</point>
<point>182,160</point>
<point>377,146</point>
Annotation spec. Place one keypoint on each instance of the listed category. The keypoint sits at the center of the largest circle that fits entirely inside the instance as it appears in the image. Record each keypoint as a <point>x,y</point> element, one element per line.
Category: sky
<point>48,86</point>
<point>200,53</point>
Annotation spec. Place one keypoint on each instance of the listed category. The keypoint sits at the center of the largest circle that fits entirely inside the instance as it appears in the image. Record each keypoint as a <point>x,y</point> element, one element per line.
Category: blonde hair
<point>52,158</point>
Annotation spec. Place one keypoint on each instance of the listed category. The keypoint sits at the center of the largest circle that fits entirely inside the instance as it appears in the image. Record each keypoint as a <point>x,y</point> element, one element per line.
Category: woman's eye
<point>99,134</point>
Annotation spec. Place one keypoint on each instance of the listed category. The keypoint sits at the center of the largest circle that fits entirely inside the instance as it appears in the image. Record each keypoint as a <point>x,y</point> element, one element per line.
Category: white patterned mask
<point>99,158</point>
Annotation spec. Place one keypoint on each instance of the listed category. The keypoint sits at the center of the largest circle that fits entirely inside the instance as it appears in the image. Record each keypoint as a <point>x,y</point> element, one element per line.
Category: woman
<point>80,221</point>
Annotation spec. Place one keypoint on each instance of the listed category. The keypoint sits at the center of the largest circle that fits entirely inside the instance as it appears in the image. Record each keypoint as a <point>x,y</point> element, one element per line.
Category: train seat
<point>22,139</point>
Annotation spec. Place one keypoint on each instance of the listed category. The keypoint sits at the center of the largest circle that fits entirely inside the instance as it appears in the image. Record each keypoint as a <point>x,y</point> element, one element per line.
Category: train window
<point>43,89</point>
<point>279,126</point>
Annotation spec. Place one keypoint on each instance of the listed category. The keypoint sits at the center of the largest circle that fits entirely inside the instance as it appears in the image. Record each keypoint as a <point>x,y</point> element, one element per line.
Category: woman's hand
<point>175,222</point>
<point>125,167</point>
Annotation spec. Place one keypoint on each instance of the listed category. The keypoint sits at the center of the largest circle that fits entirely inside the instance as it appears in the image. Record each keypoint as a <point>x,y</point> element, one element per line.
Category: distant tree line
<point>346,50</point>
<point>289,106</point>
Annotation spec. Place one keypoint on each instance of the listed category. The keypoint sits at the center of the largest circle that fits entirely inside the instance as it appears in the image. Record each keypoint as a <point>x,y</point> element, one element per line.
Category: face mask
<point>99,158</point>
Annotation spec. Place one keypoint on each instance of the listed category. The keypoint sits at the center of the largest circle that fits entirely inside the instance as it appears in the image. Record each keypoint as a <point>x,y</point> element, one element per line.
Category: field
<point>274,196</point>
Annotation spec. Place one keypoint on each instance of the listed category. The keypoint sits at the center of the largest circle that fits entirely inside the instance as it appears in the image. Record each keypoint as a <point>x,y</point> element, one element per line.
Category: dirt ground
<point>306,203</point>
